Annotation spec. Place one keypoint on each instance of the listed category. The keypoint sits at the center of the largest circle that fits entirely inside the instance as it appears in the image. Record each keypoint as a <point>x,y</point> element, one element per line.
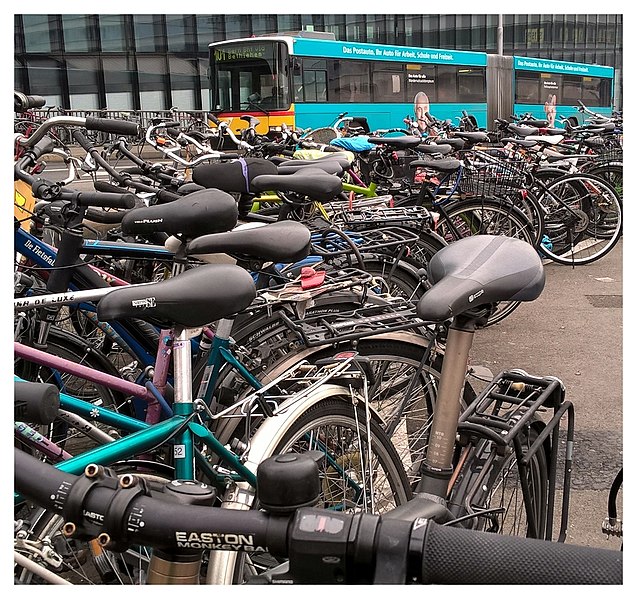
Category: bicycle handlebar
<point>115,126</point>
<point>323,546</point>
<point>22,102</point>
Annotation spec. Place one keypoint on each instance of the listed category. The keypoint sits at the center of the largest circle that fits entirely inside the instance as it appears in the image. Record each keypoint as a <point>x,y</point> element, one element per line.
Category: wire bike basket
<point>490,175</point>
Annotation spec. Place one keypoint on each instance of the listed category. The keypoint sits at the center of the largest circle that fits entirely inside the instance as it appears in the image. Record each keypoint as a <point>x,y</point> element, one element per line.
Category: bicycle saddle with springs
<point>478,270</point>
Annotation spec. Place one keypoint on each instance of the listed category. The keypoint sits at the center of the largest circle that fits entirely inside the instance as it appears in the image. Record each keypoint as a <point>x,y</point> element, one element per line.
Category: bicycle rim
<point>584,220</point>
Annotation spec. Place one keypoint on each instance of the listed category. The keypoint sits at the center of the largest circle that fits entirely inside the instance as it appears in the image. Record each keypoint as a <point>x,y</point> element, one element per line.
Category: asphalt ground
<point>574,331</point>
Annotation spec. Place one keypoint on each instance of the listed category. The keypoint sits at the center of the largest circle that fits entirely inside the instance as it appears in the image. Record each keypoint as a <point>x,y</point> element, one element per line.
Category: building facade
<point>155,62</point>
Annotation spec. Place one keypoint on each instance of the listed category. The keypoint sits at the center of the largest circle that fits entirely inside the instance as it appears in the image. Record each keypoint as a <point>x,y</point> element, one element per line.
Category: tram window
<point>571,89</point>
<point>388,86</point>
<point>446,84</point>
<point>527,87</point>
<point>471,85</point>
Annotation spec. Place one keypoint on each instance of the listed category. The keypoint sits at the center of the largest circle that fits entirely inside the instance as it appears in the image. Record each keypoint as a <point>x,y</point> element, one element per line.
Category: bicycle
<point>323,547</point>
<point>308,395</point>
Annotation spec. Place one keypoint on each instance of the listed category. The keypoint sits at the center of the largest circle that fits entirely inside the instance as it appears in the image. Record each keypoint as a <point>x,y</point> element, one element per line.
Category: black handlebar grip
<point>104,217</point>
<point>164,196</point>
<point>111,126</point>
<point>459,556</point>
<point>100,199</point>
<point>105,187</point>
<point>44,146</point>
<point>35,402</point>
<point>22,102</point>
<point>81,139</point>
<point>170,124</point>
<point>213,118</point>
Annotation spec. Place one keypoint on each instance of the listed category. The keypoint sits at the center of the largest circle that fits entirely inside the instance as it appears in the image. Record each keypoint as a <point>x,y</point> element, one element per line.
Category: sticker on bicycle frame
<point>179,451</point>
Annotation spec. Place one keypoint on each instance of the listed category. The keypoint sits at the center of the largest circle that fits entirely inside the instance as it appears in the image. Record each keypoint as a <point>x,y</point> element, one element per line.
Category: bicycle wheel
<point>322,135</point>
<point>488,216</point>
<point>403,392</point>
<point>489,489</point>
<point>611,172</point>
<point>584,219</point>
<point>361,471</point>
<point>396,277</point>
<point>485,216</point>
<point>66,345</point>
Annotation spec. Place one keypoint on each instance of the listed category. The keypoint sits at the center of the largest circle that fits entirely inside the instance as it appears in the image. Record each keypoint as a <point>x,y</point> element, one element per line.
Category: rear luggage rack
<point>394,314</point>
<point>504,409</point>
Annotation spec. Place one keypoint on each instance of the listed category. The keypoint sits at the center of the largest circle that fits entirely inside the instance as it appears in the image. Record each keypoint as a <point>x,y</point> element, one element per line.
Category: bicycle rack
<point>503,410</point>
<point>393,314</point>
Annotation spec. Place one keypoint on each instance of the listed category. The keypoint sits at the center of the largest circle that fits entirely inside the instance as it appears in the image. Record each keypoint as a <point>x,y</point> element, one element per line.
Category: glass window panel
<point>420,78</point>
<point>78,33</point>
<point>571,89</point>
<point>446,84</point>
<point>84,101</point>
<point>184,99</point>
<point>527,88</point>
<point>151,73</point>
<point>551,85</point>
<point>45,76</point>
<point>210,28</point>
<point>113,33</point>
<point>148,33</point>
<point>349,81</point>
<point>119,100</point>
<point>204,82</point>
<point>82,75</point>
<point>478,32</point>
<point>19,76</point>
<point>119,74</point>
<point>355,28</point>
<point>177,33</point>
<point>37,33</point>
<point>288,23</point>
<point>151,100</point>
<point>388,86</point>
<point>263,24</point>
<point>236,27</point>
<point>471,85</point>
<point>183,82</point>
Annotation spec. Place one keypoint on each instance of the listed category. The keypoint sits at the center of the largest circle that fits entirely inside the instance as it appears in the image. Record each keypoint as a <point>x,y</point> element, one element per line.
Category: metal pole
<point>500,36</point>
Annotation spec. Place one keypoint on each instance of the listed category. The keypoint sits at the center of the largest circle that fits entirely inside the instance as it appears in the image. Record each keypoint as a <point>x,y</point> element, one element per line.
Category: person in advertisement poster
<point>421,109</point>
<point>550,109</point>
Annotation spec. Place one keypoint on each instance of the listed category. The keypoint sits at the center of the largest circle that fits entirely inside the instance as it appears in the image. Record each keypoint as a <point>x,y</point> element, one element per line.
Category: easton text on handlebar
<point>322,546</point>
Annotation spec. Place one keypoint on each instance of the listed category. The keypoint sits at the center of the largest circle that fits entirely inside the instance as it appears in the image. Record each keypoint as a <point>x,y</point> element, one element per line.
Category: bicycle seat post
<point>183,404</point>
<point>436,468</point>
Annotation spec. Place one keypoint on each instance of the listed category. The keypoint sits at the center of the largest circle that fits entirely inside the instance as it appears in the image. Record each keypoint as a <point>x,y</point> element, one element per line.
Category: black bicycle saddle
<point>193,298</point>
<point>478,270</point>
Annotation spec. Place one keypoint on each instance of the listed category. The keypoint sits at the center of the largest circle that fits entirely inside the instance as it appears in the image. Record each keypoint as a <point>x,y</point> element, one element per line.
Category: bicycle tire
<point>584,223</point>
<point>322,135</point>
<point>491,481</point>
<point>482,216</point>
<point>488,216</point>
<point>67,345</point>
<point>612,172</point>
<point>351,424</point>
<point>395,361</point>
